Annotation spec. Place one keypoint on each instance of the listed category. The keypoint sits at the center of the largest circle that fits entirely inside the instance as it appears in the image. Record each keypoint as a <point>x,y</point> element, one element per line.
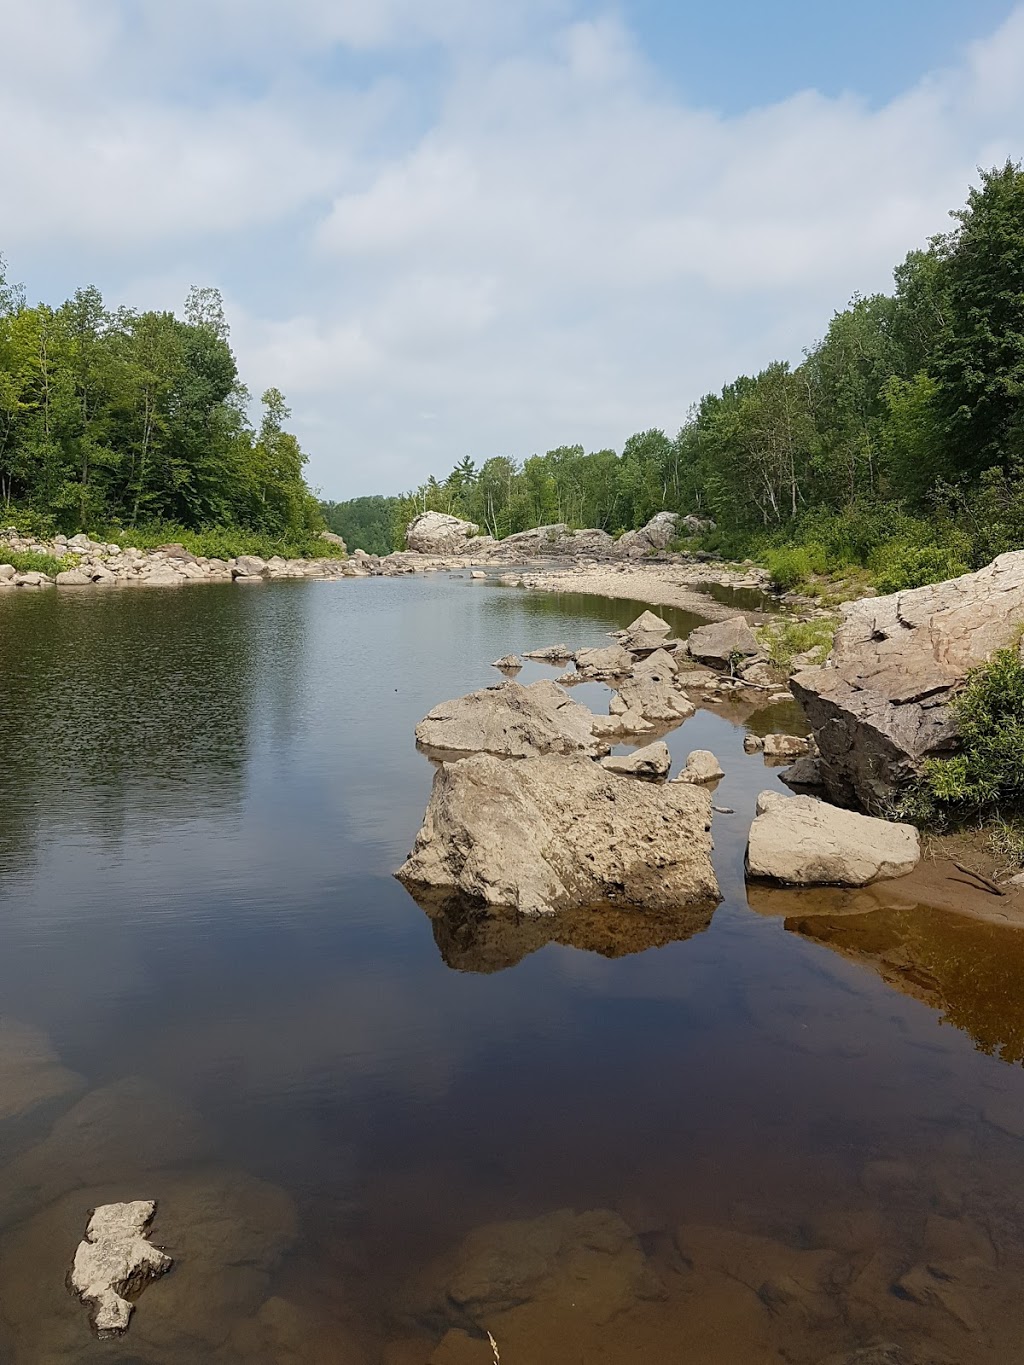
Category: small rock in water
<point>478,573</point>
<point>508,662</point>
<point>701,766</point>
<point>652,763</point>
<point>116,1259</point>
<point>752,744</point>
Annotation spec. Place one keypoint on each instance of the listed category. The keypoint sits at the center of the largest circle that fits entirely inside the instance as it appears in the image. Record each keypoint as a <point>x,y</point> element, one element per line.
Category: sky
<point>493,227</point>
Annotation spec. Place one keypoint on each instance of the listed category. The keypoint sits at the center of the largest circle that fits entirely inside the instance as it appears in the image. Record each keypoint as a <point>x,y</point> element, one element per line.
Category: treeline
<point>115,418</point>
<point>898,442</point>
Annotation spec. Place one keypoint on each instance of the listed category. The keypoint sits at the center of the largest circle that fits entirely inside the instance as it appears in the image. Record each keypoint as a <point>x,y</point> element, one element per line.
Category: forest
<point>896,445</point>
<point>114,419</point>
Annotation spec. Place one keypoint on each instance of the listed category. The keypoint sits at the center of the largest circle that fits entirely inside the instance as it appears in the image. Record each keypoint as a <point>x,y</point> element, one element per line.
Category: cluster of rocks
<point>438,533</point>
<point>530,812</point>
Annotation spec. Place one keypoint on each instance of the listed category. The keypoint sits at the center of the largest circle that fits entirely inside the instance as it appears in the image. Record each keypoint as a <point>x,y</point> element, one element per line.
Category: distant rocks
<point>438,533</point>
<point>512,721</point>
<point>551,832</point>
<point>804,842</point>
<point>658,534</point>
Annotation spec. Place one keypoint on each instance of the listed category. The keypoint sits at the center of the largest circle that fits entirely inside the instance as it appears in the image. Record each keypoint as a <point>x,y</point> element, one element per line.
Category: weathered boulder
<point>701,766</point>
<point>609,661</point>
<point>547,833</point>
<point>694,526</point>
<point>658,534</point>
<point>114,1259</point>
<point>651,762</point>
<point>250,566</point>
<point>509,663</point>
<point>73,578</point>
<point>437,533</point>
<point>786,747</point>
<point>804,842</point>
<point>620,726</point>
<point>659,665</point>
<point>879,706</point>
<point>333,539</point>
<point>511,720</point>
<point>645,627</point>
<point>652,697</point>
<point>721,642</point>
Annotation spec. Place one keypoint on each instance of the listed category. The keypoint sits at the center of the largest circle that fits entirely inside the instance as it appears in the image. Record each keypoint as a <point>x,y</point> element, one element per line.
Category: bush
<point>31,561</point>
<point>898,565</point>
<point>986,777</point>
<point>790,566</point>
<point>223,542</point>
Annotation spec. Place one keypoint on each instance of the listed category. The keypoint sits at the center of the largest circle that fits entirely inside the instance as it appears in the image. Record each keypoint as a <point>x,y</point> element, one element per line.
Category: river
<point>213,993</point>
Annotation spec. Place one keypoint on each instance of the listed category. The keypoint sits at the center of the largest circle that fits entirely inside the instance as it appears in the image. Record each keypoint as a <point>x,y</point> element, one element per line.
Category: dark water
<point>203,795</point>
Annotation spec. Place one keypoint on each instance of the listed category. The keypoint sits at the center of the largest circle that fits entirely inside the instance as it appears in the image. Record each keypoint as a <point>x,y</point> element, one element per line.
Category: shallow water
<point>203,795</point>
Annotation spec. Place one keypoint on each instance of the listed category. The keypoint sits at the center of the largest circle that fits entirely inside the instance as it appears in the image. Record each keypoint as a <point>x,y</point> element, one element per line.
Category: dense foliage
<point>896,445</point>
<point>119,419</point>
<point>364,523</point>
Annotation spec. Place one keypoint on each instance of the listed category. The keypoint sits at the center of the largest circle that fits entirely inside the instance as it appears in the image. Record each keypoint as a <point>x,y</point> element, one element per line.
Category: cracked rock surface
<point>114,1259</point>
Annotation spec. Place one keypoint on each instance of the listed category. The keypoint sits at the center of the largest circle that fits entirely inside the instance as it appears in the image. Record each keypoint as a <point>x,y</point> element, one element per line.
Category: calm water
<point>209,979</point>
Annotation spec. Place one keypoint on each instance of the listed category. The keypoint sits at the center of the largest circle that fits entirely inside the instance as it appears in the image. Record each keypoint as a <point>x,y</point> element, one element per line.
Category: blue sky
<point>494,226</point>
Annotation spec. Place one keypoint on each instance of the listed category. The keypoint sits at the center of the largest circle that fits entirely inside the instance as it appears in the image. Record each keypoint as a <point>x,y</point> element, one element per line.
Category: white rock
<point>785,746</point>
<point>508,662</point>
<point>478,574</point>
<point>805,842</point>
<point>609,661</point>
<point>116,1259</point>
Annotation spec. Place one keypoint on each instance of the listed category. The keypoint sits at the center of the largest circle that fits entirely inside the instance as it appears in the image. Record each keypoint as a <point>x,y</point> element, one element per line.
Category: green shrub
<point>986,777</point>
<point>898,565</point>
<point>31,561</point>
<point>223,542</point>
<point>790,566</point>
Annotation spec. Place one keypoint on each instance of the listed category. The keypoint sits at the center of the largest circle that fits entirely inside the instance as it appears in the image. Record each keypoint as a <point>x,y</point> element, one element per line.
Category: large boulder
<point>804,842</point>
<point>607,661</point>
<point>879,706</point>
<point>658,534</point>
<point>437,533</point>
<point>549,833</point>
<point>653,697</point>
<point>723,642</point>
<point>513,721</point>
<point>648,632</point>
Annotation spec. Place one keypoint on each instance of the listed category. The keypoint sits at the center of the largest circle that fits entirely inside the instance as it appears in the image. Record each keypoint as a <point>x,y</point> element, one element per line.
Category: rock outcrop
<point>652,697</point>
<point>804,842</point>
<point>658,534</point>
<point>648,632</point>
<point>437,533</point>
<point>115,1259</point>
<point>551,832</point>
<point>722,642</point>
<point>513,721</point>
<point>879,706</point>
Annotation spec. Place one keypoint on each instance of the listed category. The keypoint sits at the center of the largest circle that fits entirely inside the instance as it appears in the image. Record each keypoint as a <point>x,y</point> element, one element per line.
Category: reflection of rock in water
<point>969,970</point>
<point>473,939</point>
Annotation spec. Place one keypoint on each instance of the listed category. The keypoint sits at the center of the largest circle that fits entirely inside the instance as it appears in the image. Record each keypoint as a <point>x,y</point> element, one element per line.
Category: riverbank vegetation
<point>136,425</point>
<point>892,454</point>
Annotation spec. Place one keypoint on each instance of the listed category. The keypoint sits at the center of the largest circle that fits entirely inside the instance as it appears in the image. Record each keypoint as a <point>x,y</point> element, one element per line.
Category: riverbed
<point>806,1109</point>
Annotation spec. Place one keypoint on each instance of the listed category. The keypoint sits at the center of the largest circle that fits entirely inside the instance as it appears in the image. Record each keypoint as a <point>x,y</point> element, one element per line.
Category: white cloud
<point>520,237</point>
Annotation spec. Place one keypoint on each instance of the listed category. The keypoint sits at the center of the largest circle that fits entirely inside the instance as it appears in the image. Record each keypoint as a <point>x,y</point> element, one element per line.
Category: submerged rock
<point>879,706</point>
<point>651,763</point>
<point>547,833</point>
<point>116,1259</point>
<point>804,842</point>
<point>512,720</point>
<point>31,1073</point>
<point>722,642</point>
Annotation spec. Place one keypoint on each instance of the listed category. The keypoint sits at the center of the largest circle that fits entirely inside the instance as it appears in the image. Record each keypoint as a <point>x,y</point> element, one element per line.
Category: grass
<point>31,561</point>
<point>783,640</point>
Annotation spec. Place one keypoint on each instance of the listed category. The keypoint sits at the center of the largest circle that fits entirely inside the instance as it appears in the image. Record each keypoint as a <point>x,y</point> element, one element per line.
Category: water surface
<point>203,796</point>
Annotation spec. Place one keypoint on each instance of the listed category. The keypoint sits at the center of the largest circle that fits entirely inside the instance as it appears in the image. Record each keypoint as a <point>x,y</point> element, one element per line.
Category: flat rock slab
<point>115,1259</point>
<point>549,833</point>
<point>512,721</point>
<point>804,842</point>
<point>652,763</point>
